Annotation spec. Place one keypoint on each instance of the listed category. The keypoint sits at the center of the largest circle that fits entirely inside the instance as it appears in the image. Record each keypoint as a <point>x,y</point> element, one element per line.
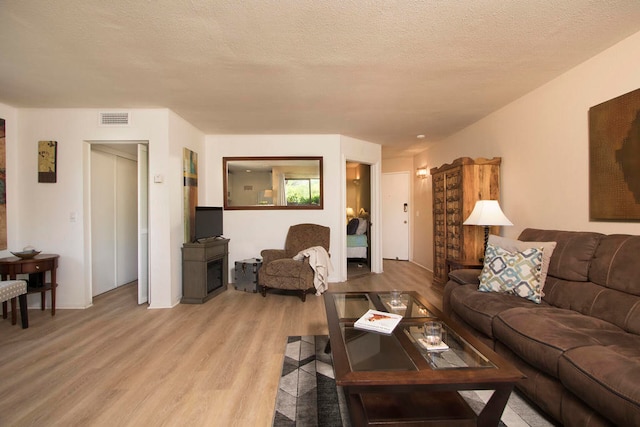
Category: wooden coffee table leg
<point>492,412</point>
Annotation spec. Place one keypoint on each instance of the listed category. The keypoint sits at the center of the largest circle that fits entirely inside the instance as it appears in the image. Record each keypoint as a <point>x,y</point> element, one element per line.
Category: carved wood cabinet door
<point>456,188</point>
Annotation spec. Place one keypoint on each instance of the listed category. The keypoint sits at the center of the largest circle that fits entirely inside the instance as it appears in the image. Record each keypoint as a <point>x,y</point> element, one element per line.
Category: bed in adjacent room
<point>358,239</point>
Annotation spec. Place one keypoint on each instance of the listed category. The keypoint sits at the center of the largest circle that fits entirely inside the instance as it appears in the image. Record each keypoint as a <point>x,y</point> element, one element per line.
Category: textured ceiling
<point>382,71</point>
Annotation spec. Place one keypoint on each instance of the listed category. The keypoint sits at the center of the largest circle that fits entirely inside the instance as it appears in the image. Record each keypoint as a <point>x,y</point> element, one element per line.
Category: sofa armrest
<point>465,276</point>
<point>457,278</point>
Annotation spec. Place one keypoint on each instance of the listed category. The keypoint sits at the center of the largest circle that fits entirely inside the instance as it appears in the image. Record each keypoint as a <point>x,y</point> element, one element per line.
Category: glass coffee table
<point>396,379</point>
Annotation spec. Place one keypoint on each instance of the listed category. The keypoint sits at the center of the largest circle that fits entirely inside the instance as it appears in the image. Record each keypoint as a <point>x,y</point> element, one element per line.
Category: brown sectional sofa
<point>580,347</point>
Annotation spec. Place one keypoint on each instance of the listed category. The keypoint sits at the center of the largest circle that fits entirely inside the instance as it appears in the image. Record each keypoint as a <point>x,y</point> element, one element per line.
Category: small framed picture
<point>47,156</point>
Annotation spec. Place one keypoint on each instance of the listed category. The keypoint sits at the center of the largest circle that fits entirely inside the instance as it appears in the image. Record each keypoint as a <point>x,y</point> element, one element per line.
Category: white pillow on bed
<point>362,227</point>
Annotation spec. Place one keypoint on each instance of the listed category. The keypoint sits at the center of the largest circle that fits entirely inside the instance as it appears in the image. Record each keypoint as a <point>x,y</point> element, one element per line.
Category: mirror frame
<point>225,175</point>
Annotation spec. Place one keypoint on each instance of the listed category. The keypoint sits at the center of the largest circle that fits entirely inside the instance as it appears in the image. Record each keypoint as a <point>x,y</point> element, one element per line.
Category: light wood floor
<point>120,364</point>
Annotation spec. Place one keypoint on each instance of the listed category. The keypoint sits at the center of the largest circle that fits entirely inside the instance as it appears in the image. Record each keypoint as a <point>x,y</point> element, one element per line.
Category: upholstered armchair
<point>280,271</point>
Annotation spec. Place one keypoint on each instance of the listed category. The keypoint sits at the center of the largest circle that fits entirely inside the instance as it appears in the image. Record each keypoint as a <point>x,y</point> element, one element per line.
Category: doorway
<point>395,215</point>
<point>359,247</point>
<point>118,195</point>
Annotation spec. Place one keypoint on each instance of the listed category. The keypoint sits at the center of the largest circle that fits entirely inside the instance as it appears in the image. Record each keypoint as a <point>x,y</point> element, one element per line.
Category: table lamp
<point>350,213</point>
<point>487,213</point>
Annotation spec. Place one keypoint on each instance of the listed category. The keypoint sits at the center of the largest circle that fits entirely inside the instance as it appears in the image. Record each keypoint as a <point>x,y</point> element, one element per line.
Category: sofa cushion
<point>595,300</point>
<point>577,296</point>
<point>479,308</point>
<point>573,252</point>
<point>615,263</point>
<point>516,273</point>
<point>606,377</point>
<point>540,335</point>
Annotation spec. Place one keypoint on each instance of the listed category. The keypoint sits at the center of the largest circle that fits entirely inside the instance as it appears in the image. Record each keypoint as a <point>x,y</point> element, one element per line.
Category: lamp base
<point>486,241</point>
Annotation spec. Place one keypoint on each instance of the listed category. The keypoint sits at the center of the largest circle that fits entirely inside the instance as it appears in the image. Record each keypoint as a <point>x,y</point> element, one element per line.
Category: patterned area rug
<point>308,395</point>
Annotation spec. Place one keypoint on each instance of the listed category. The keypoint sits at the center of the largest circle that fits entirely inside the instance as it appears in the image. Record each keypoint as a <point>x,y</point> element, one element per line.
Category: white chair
<point>9,291</point>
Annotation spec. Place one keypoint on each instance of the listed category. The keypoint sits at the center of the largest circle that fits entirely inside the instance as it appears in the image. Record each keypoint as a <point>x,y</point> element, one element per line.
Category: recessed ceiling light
<point>420,136</point>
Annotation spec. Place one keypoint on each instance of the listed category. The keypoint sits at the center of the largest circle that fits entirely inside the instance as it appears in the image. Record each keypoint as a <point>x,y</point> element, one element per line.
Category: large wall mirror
<point>272,182</point>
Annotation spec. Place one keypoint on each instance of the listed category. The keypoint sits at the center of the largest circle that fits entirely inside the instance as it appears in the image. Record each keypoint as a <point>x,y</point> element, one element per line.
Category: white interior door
<point>125,220</point>
<point>103,233</point>
<point>395,216</point>
<point>114,244</point>
<point>143,226</point>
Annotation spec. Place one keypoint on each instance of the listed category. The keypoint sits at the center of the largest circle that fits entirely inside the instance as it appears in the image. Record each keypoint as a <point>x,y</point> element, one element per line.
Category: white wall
<point>544,144</point>
<point>356,150</point>
<point>257,181</point>
<point>39,214</point>
<point>181,135</point>
<point>251,231</point>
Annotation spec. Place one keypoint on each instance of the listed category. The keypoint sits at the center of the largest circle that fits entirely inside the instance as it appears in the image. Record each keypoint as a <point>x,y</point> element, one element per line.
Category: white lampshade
<point>487,212</point>
<point>350,212</point>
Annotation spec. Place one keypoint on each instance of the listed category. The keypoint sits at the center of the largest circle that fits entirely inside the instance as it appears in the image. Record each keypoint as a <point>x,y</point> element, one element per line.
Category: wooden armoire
<point>456,188</point>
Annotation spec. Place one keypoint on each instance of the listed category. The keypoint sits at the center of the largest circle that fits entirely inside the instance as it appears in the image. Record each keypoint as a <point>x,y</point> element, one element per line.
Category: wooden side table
<point>11,266</point>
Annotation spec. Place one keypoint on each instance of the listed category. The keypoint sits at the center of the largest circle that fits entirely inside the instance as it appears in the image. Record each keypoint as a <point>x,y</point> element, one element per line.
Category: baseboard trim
<point>424,268</point>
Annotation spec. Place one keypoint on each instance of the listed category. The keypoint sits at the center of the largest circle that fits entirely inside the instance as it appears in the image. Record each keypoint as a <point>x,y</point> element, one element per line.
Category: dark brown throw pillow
<point>352,226</point>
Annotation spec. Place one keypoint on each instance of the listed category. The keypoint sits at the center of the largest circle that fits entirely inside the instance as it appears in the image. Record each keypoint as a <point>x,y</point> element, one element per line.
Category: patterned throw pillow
<point>517,245</point>
<point>516,273</point>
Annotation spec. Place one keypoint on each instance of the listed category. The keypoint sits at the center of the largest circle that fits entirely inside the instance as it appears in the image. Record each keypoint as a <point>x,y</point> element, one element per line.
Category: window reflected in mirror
<point>273,182</point>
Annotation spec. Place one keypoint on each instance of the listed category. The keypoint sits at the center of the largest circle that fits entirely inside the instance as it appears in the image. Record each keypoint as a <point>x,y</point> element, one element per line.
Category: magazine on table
<point>378,321</point>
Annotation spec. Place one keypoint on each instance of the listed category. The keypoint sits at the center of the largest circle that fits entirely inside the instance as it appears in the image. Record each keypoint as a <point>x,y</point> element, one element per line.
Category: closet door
<point>103,231</point>
<point>114,223</point>
<point>126,221</point>
<point>143,224</point>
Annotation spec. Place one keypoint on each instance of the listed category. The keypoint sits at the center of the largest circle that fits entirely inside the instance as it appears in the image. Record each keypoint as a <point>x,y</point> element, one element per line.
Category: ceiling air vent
<point>114,119</point>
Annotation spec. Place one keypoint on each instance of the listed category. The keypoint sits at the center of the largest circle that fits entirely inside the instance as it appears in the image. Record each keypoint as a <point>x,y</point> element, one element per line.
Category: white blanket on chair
<point>320,263</point>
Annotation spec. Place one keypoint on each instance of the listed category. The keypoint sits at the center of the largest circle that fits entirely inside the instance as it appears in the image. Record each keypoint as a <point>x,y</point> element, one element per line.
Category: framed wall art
<point>3,188</point>
<point>190,176</point>
<point>47,159</point>
<point>614,159</point>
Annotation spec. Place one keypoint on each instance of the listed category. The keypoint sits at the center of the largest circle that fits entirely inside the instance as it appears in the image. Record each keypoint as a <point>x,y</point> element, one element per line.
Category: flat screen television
<point>208,222</point>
